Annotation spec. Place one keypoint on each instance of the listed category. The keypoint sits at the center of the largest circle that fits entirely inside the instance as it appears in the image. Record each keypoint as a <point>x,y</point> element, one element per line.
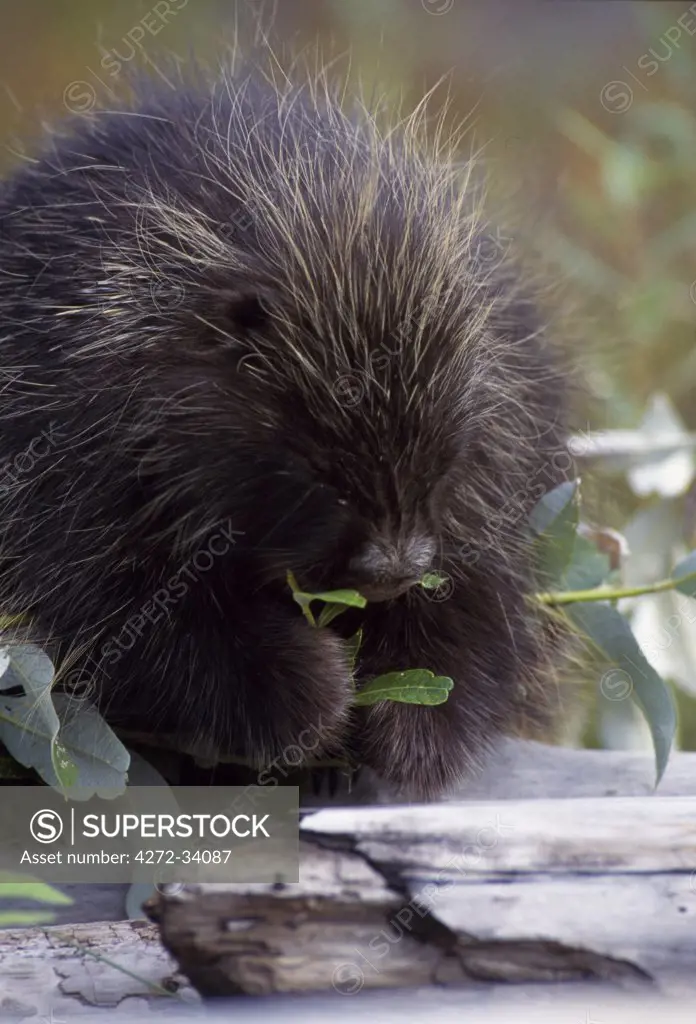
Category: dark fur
<point>196,377</point>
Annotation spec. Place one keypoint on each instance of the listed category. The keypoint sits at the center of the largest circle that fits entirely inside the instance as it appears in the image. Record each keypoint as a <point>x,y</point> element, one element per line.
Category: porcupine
<point>252,305</point>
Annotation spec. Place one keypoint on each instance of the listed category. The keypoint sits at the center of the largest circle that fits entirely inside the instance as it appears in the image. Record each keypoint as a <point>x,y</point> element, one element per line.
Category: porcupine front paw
<point>298,690</point>
<point>414,748</point>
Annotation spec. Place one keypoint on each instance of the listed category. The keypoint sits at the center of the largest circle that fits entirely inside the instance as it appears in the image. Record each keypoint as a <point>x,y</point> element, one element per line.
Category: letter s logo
<point>46,826</point>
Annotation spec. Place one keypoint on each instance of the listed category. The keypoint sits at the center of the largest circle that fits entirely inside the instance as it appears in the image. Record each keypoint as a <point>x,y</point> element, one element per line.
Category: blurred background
<point>584,112</point>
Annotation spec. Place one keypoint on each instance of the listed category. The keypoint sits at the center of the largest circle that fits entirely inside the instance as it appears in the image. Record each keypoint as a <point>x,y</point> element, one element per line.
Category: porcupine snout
<point>384,567</point>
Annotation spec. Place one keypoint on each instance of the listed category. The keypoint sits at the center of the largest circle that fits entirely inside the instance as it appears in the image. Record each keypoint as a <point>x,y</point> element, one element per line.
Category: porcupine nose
<point>382,570</point>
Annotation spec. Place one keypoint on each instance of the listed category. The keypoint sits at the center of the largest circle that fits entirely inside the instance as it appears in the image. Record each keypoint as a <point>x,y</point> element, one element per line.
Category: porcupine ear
<point>236,314</point>
<point>247,308</point>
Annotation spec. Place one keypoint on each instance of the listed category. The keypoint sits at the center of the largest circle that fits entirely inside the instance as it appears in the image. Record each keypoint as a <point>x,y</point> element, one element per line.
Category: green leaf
<point>20,887</point>
<point>65,769</point>
<point>348,598</point>
<point>551,505</point>
<point>611,634</point>
<point>555,520</point>
<point>353,647</point>
<point>342,599</point>
<point>304,600</point>
<point>67,743</point>
<point>433,580</point>
<point>29,668</point>
<point>101,760</point>
<point>415,686</point>
<point>685,575</point>
<point>587,567</point>
<point>24,918</point>
<point>29,723</point>
<point>24,887</point>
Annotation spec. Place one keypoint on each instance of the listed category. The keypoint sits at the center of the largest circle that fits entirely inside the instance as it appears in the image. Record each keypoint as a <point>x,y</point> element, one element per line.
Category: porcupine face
<point>380,383</point>
<point>342,479</point>
<point>357,435</point>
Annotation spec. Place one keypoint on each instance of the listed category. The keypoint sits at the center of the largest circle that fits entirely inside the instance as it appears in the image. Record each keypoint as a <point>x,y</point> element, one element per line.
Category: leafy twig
<point>611,593</point>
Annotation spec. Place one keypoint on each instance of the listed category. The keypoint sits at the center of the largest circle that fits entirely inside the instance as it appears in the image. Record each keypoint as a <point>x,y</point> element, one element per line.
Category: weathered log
<point>456,894</point>
<point>524,889</point>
